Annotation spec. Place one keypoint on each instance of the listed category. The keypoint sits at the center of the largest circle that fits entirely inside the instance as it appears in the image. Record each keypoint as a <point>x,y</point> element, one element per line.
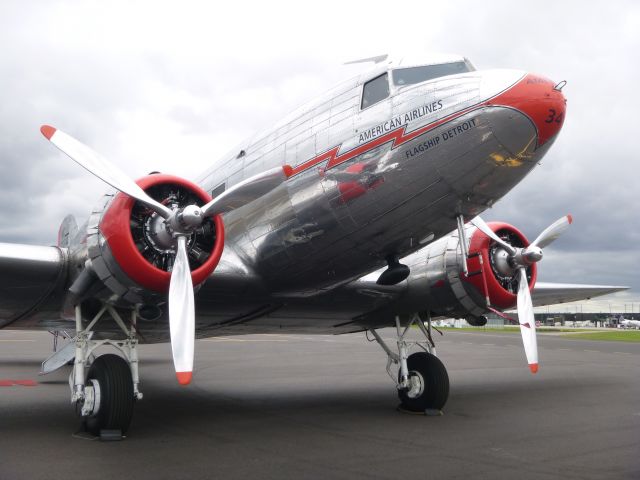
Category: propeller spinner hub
<point>187,220</point>
<point>191,216</point>
<point>532,254</point>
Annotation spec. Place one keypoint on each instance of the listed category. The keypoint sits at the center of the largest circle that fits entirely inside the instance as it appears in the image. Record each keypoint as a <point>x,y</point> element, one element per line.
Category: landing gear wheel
<point>429,387</point>
<point>114,406</point>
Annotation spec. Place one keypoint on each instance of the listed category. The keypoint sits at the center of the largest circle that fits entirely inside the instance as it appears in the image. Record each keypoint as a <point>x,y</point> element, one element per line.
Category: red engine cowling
<point>130,250</point>
<point>495,278</point>
<point>491,280</point>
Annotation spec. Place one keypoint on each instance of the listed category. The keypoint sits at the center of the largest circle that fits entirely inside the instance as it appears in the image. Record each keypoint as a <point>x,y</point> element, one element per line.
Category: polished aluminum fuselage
<point>368,183</point>
<point>327,225</point>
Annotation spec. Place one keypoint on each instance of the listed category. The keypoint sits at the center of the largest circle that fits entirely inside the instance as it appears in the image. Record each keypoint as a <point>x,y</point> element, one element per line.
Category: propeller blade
<point>182,314</point>
<point>552,232</point>
<point>480,224</point>
<point>101,168</point>
<point>246,191</point>
<point>527,321</point>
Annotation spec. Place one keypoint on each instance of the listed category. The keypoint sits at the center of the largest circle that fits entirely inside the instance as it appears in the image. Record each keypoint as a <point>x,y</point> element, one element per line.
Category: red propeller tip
<point>47,131</point>
<point>184,378</point>
<point>533,367</point>
<point>288,170</point>
<point>570,218</point>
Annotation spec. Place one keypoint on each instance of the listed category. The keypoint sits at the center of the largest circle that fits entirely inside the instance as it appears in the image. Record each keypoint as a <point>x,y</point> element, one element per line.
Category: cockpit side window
<point>409,76</point>
<point>375,90</point>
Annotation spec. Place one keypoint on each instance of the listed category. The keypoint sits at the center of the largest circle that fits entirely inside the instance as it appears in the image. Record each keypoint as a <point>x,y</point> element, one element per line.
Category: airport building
<point>558,319</point>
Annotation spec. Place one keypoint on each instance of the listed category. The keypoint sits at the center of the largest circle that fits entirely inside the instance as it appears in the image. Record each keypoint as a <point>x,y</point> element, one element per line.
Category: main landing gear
<point>104,395</point>
<point>422,380</point>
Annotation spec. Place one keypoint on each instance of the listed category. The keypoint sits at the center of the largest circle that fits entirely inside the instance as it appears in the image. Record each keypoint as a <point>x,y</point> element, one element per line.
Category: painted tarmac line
<point>242,340</point>
<point>624,353</point>
<point>17,383</point>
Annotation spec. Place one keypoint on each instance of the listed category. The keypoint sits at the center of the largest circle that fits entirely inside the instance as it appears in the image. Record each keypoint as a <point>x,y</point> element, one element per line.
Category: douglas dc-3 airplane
<point>356,212</point>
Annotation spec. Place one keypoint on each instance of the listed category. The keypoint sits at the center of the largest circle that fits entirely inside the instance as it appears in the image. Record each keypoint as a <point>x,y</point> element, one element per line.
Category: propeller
<point>182,315</point>
<point>181,222</point>
<point>247,190</point>
<point>520,259</point>
<point>480,224</point>
<point>101,168</point>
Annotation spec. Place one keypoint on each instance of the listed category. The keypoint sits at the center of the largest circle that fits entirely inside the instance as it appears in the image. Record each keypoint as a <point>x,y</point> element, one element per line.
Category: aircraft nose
<point>540,99</point>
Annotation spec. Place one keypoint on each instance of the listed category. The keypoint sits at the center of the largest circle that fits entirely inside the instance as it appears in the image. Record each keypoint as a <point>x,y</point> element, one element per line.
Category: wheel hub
<point>416,384</point>
<point>91,403</point>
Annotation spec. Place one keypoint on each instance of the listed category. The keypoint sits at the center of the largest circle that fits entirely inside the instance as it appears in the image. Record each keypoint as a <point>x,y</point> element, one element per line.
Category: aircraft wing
<point>545,293</point>
<point>29,277</point>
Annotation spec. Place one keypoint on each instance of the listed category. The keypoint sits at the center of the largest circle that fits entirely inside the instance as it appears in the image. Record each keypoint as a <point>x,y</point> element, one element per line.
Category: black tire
<point>435,383</point>
<point>116,394</point>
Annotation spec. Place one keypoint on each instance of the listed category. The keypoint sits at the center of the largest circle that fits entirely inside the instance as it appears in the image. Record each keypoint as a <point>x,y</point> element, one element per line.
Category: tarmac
<point>279,406</point>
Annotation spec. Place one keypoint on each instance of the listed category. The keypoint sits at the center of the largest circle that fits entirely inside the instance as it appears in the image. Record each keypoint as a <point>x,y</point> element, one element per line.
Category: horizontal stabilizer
<point>67,231</point>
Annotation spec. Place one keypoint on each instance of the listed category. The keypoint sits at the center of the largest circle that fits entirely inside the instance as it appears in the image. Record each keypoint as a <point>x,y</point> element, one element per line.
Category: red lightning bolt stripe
<point>399,136</point>
<point>517,96</point>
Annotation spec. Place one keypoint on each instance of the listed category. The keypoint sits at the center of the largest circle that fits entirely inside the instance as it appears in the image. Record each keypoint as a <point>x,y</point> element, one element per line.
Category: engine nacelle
<point>131,251</point>
<point>437,271</point>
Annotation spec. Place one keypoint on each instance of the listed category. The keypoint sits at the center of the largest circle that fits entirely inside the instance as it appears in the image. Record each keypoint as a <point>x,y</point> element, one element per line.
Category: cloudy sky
<point>172,85</point>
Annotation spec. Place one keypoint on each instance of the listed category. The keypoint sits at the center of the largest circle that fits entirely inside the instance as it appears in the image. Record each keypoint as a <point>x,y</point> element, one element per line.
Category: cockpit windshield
<point>411,75</point>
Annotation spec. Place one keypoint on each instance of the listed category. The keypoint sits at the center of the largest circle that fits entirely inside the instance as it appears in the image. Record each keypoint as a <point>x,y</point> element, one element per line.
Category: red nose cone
<point>536,97</point>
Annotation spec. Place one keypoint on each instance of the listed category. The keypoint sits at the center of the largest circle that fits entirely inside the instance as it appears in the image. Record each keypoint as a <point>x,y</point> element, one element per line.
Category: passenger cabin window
<point>409,76</point>
<point>375,90</point>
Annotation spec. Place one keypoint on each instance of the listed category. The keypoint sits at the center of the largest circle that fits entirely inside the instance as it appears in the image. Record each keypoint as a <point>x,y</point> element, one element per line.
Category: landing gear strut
<point>104,396</point>
<point>422,380</point>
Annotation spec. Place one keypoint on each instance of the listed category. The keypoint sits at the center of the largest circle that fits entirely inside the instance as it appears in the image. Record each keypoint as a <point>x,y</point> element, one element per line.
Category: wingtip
<point>570,218</point>
<point>533,367</point>
<point>184,378</point>
<point>47,131</point>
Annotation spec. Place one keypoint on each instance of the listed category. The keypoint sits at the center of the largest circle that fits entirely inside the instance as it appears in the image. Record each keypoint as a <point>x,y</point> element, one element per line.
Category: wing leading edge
<point>545,293</point>
<point>31,279</point>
